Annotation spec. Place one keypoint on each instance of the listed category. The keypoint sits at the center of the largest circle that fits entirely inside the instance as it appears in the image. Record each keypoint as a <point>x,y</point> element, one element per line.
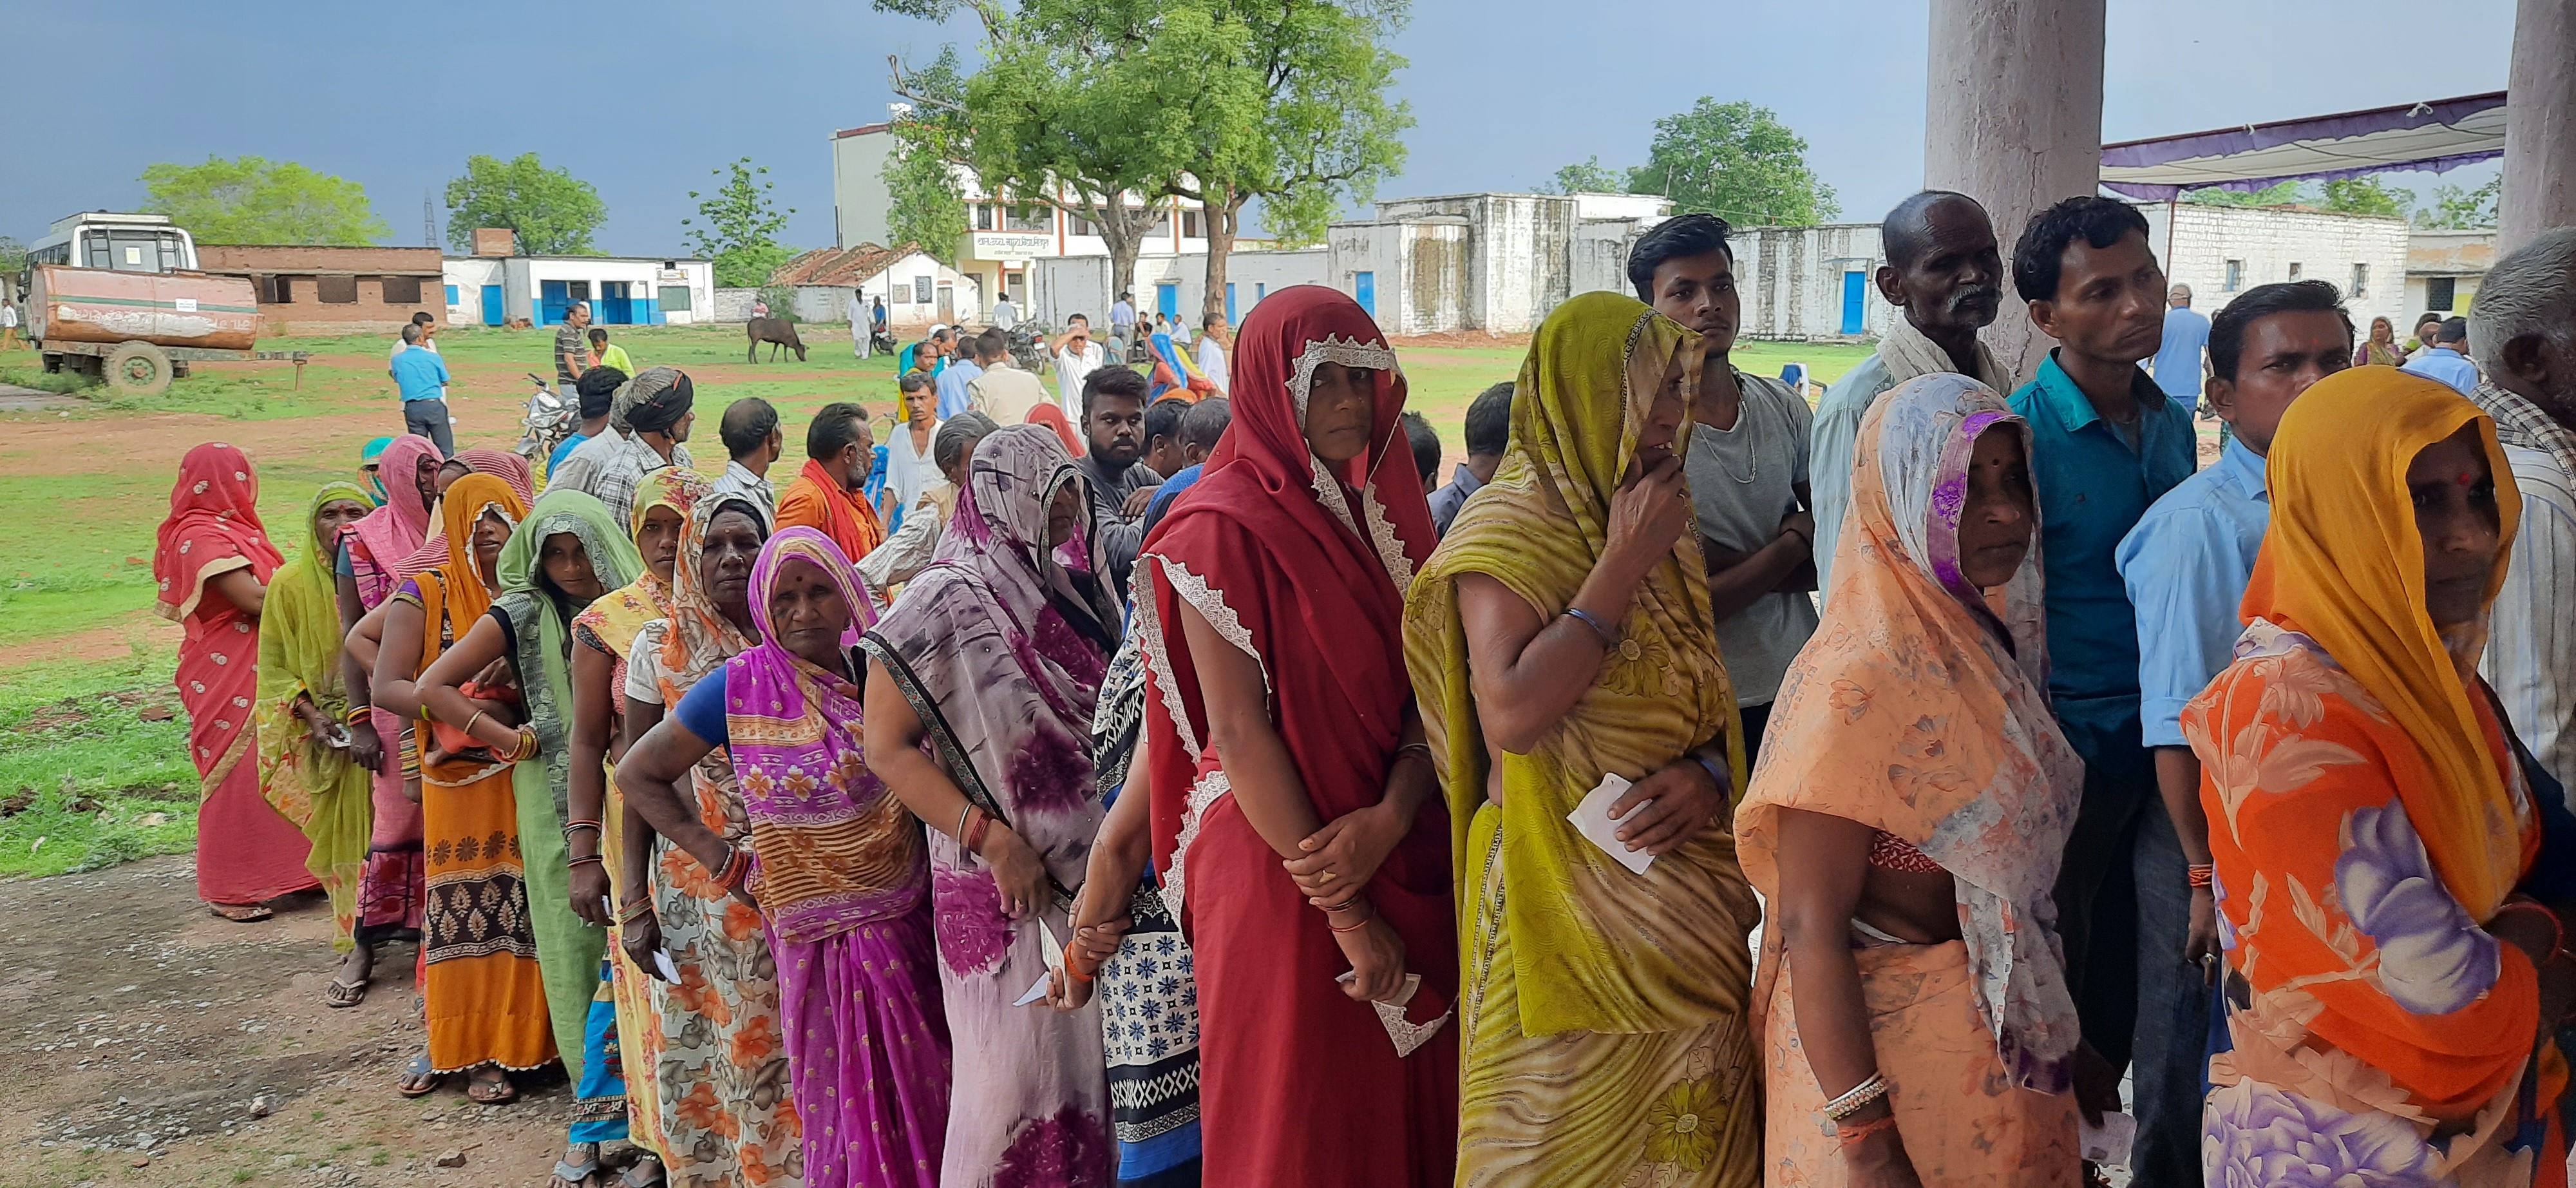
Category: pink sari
<point>392,890</point>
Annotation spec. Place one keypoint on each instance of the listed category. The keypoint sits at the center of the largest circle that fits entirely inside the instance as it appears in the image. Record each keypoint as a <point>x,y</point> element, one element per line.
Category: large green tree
<point>737,226</point>
<point>2456,208</point>
<point>2353,196</point>
<point>1584,177</point>
<point>255,200</point>
<point>1736,161</point>
<point>553,212</point>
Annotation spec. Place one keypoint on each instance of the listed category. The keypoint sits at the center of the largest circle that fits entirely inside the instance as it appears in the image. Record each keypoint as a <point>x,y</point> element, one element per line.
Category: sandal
<point>342,995</point>
<point>577,1175</point>
<point>493,1092</point>
<point>628,1180</point>
<point>241,913</point>
<point>419,1079</point>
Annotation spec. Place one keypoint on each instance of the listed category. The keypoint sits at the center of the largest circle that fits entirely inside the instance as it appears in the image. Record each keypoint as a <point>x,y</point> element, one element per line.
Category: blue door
<point>1364,291</point>
<point>614,307</point>
<point>491,305</point>
<point>1167,298</point>
<point>1229,303</point>
<point>1855,298</point>
<point>553,298</point>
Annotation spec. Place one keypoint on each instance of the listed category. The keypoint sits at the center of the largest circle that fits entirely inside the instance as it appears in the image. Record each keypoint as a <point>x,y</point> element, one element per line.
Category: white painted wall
<point>2194,242</point>
<point>1791,281</point>
<point>468,274</point>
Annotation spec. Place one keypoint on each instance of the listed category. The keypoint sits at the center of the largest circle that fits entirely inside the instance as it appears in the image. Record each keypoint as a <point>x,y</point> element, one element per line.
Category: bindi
<point>2467,478</point>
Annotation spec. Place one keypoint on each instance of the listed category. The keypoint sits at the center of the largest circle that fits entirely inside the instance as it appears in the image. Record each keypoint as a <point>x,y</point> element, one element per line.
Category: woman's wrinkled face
<point>1064,514</point>
<point>567,564</point>
<point>1663,418</point>
<point>807,611</point>
<point>1339,407</point>
<point>2454,493</point>
<point>733,542</point>
<point>335,518</point>
<point>660,541</point>
<point>1994,524</point>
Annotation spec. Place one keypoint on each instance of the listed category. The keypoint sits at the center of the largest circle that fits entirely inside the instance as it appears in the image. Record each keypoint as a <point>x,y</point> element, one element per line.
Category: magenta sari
<point>394,887</point>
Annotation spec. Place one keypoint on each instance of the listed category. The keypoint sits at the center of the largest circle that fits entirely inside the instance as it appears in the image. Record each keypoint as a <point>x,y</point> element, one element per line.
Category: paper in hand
<point>2109,1143</point>
<point>1054,951</point>
<point>1592,819</point>
<point>662,962</point>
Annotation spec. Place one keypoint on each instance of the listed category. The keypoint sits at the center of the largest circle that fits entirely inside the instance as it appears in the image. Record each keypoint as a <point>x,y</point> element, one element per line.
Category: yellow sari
<point>1606,1038</point>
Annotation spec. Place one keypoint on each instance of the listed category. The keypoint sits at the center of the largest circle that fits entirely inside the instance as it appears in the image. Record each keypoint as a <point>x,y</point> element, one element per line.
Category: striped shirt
<point>2531,641</point>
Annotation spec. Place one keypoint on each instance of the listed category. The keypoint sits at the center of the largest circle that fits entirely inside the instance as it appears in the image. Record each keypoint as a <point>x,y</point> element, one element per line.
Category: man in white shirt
<point>1076,356</point>
<point>2526,341</point>
<point>1003,392</point>
<point>9,327</point>
<point>751,437</point>
<point>1005,314</point>
<point>1212,354</point>
<point>428,327</point>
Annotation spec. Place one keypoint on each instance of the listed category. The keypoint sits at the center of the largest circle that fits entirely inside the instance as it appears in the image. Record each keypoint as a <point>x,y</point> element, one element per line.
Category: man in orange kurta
<point>826,494</point>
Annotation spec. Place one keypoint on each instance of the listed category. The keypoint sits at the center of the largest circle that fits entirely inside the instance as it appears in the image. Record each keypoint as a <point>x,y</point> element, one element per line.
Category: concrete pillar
<point>2540,125</point>
<point>2015,121</point>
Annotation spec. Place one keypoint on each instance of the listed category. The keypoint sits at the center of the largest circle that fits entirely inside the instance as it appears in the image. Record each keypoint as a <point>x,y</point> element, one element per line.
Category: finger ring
<point>1326,877</point>
<point>2208,959</point>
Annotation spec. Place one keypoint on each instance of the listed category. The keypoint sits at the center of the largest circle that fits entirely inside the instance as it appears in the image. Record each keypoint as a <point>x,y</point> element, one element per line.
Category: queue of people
<point>1251,827</point>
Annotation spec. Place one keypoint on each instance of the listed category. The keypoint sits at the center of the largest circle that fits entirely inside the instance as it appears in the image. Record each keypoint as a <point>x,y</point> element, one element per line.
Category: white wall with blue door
<point>621,290</point>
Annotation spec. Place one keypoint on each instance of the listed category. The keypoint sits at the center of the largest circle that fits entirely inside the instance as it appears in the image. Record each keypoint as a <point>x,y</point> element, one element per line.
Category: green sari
<point>539,618</point>
<point>314,787</point>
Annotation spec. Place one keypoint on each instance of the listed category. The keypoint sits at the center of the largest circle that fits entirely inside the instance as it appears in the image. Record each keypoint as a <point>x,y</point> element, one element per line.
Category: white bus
<point>121,242</point>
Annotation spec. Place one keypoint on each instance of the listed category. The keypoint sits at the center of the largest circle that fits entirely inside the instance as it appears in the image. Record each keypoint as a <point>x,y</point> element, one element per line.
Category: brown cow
<point>777,332</point>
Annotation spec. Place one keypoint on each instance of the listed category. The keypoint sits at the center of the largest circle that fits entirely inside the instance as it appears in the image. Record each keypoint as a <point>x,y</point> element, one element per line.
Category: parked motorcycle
<point>549,420</point>
<point>1028,345</point>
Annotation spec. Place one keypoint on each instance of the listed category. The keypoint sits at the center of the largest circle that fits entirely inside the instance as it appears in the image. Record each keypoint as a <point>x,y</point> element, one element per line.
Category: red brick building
<point>333,290</point>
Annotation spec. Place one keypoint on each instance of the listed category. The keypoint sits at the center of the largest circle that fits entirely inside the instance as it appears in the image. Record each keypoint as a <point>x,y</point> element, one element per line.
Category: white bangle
<point>1856,1098</point>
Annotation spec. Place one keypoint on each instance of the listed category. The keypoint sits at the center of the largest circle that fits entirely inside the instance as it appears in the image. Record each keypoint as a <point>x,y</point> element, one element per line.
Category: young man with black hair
<point>1945,275</point>
<point>961,371</point>
<point>1425,441</point>
<point>752,440</point>
<point>1489,433</point>
<point>1003,391</point>
<point>1163,434</point>
<point>604,353</point>
<point>1201,428</point>
<point>2185,566</point>
<point>428,340</point>
<point>1746,469</point>
<point>2448,359</point>
<point>1113,424</point>
<point>1211,350</point>
<point>421,377</point>
<point>828,495</point>
<point>593,392</point>
<point>2105,444</point>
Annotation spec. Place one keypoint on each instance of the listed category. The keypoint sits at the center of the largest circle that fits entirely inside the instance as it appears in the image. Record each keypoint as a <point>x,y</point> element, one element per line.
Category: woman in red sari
<point>213,561</point>
<point>1295,814</point>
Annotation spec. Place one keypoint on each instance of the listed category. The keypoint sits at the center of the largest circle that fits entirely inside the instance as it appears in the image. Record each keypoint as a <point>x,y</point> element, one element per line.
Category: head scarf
<point>299,636</point>
<point>1304,567</point>
<point>1920,708</point>
<point>2343,565</point>
<point>832,849</point>
<point>1175,373</point>
<point>461,596</point>
<point>654,400</point>
<point>398,528</point>
<point>369,454</point>
<point>541,618</point>
<point>213,528</point>
<point>510,468</point>
<point>1597,948</point>
<point>1053,418</point>
<point>996,645</point>
<point>700,638</point>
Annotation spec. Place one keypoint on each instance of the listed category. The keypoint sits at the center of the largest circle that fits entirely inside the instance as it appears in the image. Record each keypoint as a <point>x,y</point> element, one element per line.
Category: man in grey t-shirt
<point>1746,469</point>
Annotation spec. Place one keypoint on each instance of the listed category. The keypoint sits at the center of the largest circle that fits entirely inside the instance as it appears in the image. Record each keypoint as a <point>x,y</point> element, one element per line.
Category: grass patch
<point>86,769</point>
<point>30,375</point>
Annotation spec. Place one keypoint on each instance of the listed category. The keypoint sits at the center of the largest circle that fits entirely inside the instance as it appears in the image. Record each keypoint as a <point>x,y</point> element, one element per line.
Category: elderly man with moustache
<point>1945,273</point>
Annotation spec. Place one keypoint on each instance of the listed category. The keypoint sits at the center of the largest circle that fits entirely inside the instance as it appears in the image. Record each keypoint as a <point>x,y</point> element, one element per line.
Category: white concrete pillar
<point>2540,125</point>
<point>2015,121</point>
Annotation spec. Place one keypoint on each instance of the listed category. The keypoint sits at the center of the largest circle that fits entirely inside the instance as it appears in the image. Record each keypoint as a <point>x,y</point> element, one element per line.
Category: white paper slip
<point>662,962</point>
<point>1592,819</point>
<point>611,909</point>
<point>1054,951</point>
<point>2109,1143</point>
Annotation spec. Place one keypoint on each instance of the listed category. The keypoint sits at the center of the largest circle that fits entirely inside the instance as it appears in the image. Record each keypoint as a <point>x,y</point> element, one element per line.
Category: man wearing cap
<point>647,424</point>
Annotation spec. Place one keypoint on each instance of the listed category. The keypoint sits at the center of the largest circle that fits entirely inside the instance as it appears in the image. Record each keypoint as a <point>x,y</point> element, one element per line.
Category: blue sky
<point>644,97</point>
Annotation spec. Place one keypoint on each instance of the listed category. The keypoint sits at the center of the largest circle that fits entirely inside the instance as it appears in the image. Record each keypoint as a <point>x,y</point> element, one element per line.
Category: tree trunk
<point>1224,219</point>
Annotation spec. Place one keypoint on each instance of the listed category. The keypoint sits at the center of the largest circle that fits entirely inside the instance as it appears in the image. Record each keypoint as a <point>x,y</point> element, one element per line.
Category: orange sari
<point>2368,815</point>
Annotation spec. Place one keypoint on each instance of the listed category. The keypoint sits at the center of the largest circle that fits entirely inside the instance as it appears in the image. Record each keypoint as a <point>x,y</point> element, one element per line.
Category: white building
<point>2221,251</point>
<point>916,289</point>
<point>2443,269</point>
<point>621,290</point>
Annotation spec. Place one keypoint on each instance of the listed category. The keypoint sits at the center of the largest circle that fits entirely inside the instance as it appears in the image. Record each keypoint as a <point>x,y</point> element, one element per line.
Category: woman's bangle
<point>469,722</point>
<point>1073,970</point>
<point>975,832</point>
<point>1856,1098</point>
<point>1609,638</point>
<point>527,748</point>
<point>737,864</point>
<point>1415,748</point>
<point>1716,769</point>
<point>603,863</point>
<point>2201,874</point>
<point>960,832</point>
<point>360,715</point>
<point>569,826</point>
<point>1847,1137</point>
<point>635,909</point>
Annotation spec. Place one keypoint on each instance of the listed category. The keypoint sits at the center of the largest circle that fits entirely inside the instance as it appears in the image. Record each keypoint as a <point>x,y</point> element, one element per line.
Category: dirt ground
<point>152,1043</point>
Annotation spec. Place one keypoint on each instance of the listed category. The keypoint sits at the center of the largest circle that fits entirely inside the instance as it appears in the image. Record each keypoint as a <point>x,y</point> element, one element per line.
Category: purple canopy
<point>2436,135</point>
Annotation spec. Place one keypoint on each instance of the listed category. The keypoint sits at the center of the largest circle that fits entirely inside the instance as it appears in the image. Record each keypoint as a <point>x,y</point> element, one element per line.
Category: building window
<point>2360,281</point>
<point>983,217</point>
<point>1190,225</point>
<point>273,290</point>
<point>1034,216</point>
<point>1075,224</point>
<point>2235,276</point>
<point>2438,293</point>
<point>335,290</point>
<point>2294,270</point>
<point>451,294</point>
<point>674,298</point>
<point>1162,225</point>
<point>402,290</point>
<point>921,290</point>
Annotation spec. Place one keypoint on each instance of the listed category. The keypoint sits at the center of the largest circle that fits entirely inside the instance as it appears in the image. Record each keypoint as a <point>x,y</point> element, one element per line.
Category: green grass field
<point>82,662</point>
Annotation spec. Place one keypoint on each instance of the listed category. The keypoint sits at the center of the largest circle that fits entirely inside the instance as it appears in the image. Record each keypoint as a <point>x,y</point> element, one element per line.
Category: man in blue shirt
<point>1489,432</point>
<point>953,396</point>
<point>2448,360</point>
<point>422,376</point>
<point>2185,566</point>
<point>2178,360</point>
<point>2106,443</point>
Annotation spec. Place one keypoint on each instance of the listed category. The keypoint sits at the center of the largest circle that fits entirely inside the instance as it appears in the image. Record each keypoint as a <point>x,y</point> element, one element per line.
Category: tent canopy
<point>2437,135</point>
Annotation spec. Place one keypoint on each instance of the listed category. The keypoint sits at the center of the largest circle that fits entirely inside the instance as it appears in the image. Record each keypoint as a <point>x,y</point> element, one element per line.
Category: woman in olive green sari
<point>1561,635</point>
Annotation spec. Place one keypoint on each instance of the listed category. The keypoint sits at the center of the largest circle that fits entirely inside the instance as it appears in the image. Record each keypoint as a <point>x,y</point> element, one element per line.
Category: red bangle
<point>1364,922</point>
<point>2202,874</point>
<point>1075,972</point>
<point>737,864</point>
<point>975,832</point>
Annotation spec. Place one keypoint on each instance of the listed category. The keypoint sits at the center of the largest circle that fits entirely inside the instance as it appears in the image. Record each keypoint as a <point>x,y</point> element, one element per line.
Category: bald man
<point>1945,273</point>
<point>2178,360</point>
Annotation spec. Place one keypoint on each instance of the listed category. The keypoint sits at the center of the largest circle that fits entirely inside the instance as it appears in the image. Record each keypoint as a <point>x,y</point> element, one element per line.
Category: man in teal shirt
<point>2106,442</point>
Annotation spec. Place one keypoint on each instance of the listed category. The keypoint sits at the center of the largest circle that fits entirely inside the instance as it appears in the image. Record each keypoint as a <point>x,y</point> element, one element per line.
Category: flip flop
<point>577,1175</point>
<point>659,1176</point>
<point>342,995</point>
<point>482,1092</point>
<point>419,1073</point>
<point>241,913</point>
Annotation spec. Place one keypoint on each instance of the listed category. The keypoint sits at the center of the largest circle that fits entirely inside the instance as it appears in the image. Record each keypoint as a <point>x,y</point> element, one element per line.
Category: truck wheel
<point>139,369</point>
